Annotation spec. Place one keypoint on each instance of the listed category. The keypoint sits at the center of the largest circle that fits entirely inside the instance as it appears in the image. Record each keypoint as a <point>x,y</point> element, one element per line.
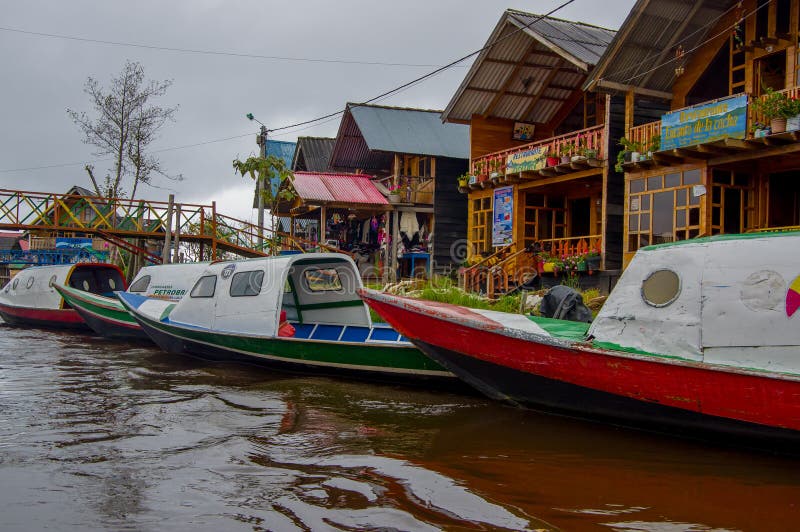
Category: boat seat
<point>303,330</point>
<point>384,334</point>
<point>355,334</point>
<point>327,332</point>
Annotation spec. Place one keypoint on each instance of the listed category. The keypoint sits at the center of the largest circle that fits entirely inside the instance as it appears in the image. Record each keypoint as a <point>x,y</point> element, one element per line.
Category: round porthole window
<point>86,286</point>
<point>52,281</point>
<point>29,283</point>
<point>661,288</point>
<point>15,284</point>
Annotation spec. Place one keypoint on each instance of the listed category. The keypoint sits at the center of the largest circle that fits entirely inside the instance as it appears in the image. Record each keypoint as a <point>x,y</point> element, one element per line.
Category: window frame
<point>248,284</point>
<point>197,283</point>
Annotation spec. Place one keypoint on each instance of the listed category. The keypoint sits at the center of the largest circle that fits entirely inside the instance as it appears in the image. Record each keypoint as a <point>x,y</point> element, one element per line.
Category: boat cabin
<point>316,292</point>
<point>168,281</point>
<point>33,287</point>
<point>727,299</point>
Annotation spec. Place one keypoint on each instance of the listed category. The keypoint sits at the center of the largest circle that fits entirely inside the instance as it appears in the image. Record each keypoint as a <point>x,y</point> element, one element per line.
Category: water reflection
<point>96,434</point>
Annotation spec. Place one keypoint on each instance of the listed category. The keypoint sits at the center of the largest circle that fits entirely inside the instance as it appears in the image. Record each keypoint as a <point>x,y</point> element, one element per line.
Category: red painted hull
<point>578,379</point>
<point>39,317</point>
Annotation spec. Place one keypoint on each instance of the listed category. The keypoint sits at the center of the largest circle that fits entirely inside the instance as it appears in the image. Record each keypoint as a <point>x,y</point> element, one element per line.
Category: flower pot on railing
<point>592,263</point>
<point>564,159</point>
<point>777,125</point>
<point>553,161</point>
<point>793,123</point>
<point>394,198</point>
<point>577,158</point>
<point>635,156</point>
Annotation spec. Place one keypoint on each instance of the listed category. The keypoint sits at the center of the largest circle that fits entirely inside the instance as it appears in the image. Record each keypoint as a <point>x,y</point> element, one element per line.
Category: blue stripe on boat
<point>384,335</point>
<point>355,334</point>
<point>327,332</point>
<point>303,330</point>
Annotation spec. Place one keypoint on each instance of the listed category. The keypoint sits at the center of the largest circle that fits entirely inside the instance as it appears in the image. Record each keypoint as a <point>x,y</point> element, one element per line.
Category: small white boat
<point>106,315</point>
<point>30,298</point>
<point>293,312</point>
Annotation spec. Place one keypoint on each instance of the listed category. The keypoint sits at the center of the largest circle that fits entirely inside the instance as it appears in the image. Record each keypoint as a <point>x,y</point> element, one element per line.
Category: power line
<point>215,52</point>
<point>434,72</point>
<point>381,96</point>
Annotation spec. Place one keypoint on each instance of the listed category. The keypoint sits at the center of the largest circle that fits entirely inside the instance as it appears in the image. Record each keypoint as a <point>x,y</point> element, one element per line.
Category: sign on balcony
<point>527,161</point>
<point>503,216</point>
<point>720,119</point>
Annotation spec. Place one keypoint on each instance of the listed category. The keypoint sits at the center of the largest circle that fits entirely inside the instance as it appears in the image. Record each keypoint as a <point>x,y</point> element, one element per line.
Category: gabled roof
<point>530,68</point>
<point>337,188</point>
<point>80,191</point>
<point>641,56</point>
<point>312,154</point>
<point>368,133</point>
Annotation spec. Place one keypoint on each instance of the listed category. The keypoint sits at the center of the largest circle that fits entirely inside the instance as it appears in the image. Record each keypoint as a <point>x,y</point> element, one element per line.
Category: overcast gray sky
<point>42,76</point>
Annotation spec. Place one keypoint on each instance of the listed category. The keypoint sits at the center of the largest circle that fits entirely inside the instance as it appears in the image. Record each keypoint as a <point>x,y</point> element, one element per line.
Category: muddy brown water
<point>101,435</point>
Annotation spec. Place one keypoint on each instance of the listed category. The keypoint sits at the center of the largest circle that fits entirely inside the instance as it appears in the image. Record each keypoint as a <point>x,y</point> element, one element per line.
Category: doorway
<point>784,200</point>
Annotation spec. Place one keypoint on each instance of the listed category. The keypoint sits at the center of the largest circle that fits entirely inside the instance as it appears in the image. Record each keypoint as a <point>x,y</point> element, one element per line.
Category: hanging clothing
<point>408,223</point>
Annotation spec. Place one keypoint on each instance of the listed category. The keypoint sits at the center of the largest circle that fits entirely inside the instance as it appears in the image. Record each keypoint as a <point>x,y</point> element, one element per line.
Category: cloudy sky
<point>43,75</point>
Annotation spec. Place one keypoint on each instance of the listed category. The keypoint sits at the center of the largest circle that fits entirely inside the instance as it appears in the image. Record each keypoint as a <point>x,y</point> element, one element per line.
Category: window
<point>140,285</point>
<point>204,287</point>
<point>663,208</point>
<point>246,283</point>
<point>29,284</point>
<point>322,280</point>
<point>15,283</point>
<point>661,288</point>
<point>480,230</point>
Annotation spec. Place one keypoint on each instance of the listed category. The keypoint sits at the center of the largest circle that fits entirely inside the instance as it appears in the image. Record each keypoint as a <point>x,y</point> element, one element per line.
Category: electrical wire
<point>215,52</point>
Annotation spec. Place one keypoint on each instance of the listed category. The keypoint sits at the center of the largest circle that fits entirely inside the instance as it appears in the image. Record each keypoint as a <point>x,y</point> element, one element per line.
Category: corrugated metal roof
<point>313,154</point>
<point>337,188</point>
<point>529,54</point>
<point>640,54</point>
<point>412,131</point>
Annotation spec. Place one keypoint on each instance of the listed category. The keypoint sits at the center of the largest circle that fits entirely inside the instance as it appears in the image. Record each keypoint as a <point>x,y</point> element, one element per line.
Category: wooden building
<point>539,146</point>
<point>717,68</point>
<point>416,161</point>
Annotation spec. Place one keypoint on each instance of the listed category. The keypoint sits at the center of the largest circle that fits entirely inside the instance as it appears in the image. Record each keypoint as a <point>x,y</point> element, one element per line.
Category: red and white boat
<point>31,299</point>
<point>699,338</point>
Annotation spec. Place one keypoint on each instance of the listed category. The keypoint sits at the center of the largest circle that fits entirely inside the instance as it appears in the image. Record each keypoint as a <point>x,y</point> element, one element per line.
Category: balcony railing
<point>569,145</point>
<point>412,189</point>
<point>644,135</point>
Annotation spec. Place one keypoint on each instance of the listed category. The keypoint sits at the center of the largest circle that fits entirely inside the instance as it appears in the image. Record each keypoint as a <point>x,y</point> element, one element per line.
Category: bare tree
<point>124,124</point>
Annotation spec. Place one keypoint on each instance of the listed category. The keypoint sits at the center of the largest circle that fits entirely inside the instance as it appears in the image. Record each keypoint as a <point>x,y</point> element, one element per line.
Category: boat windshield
<point>101,281</point>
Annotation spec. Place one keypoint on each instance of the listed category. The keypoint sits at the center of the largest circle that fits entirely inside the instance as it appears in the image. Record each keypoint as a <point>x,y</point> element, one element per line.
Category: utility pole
<point>262,141</point>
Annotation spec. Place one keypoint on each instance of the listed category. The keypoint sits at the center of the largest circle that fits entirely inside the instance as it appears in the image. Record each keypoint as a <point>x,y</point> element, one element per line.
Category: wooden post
<point>322,237</point>
<point>175,255</point>
<point>393,262</point>
<point>213,230</point>
<point>202,231</point>
<point>168,231</point>
<point>629,109</point>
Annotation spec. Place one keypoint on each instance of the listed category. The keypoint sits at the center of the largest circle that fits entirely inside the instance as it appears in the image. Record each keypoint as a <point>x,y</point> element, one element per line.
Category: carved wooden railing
<point>474,277</point>
<point>511,272</point>
<point>569,246</point>
<point>644,134</point>
<point>592,138</point>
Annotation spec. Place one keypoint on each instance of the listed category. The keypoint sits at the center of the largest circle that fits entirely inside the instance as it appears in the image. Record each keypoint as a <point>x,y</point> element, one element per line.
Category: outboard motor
<point>563,303</point>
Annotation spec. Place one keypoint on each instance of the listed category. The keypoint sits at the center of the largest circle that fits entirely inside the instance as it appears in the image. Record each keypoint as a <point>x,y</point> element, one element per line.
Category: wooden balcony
<point>647,136</point>
<point>412,189</point>
<point>573,152</point>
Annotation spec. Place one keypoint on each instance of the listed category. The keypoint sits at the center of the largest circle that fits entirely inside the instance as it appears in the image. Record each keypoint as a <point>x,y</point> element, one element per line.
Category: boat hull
<point>42,317</point>
<point>663,395</point>
<point>105,316</point>
<point>374,361</point>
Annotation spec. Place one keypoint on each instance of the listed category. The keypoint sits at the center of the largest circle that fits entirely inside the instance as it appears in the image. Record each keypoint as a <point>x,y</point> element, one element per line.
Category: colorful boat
<point>30,298</point>
<point>107,317</point>
<point>293,312</point>
<point>700,338</point>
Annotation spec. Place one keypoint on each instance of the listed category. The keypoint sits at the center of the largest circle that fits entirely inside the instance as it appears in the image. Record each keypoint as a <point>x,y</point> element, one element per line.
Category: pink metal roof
<point>337,188</point>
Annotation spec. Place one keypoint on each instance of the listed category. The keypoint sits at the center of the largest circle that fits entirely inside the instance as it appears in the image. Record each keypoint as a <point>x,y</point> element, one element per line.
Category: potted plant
<point>463,182</point>
<point>565,151</point>
<point>394,193</point>
<point>793,112</point>
<point>553,161</point>
<point>480,171</point>
<point>759,129</point>
<point>774,107</point>
<point>495,168</point>
<point>592,261</point>
<point>654,145</point>
<point>630,152</point>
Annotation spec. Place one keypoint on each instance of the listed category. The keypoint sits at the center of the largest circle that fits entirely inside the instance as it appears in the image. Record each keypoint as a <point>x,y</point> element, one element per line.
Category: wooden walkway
<point>125,222</point>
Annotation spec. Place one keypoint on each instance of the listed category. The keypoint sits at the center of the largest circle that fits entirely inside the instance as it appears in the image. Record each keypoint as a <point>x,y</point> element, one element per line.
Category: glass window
<point>29,283</point>
<point>663,209</point>
<point>672,180</point>
<point>661,288</point>
<point>204,287</point>
<point>680,218</point>
<point>140,284</point>
<point>654,183</point>
<point>680,197</point>
<point>692,177</point>
<point>246,283</point>
<point>633,222</point>
<point>322,280</point>
<point>637,185</point>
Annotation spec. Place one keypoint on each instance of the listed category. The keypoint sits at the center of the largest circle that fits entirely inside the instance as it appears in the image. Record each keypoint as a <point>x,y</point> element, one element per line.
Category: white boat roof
<point>32,287</point>
<point>728,299</point>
